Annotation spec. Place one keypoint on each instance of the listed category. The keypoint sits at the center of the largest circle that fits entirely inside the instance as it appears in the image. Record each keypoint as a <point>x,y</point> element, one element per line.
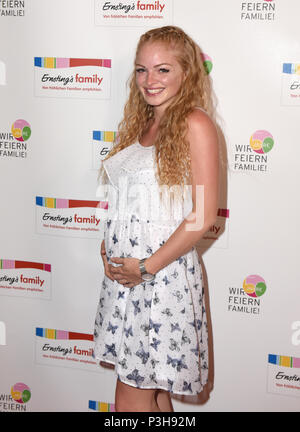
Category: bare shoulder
<point>200,123</point>
<point>200,127</point>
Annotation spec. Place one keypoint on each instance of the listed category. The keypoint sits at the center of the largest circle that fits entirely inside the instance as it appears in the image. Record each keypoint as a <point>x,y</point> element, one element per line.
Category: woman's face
<point>158,74</point>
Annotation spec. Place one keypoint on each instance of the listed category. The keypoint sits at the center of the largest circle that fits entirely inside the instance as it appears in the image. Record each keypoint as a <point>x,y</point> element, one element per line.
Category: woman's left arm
<point>204,148</point>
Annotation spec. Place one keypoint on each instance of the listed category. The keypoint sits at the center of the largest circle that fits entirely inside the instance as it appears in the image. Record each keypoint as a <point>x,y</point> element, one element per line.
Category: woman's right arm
<point>105,262</point>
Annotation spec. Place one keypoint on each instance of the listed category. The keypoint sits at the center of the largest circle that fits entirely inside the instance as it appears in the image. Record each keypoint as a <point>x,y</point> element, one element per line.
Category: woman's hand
<point>107,267</point>
<point>127,274</point>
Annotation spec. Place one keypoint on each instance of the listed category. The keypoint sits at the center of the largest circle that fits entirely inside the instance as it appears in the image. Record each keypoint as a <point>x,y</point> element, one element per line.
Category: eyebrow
<point>161,64</point>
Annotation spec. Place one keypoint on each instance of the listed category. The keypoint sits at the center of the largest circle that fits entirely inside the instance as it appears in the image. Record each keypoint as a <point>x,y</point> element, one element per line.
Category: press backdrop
<point>63,72</point>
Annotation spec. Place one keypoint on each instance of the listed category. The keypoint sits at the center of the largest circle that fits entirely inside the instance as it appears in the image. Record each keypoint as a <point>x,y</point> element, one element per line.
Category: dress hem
<point>149,388</point>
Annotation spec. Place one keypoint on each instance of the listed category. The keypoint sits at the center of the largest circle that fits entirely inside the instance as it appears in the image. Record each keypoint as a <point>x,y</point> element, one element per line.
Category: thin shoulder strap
<point>202,109</point>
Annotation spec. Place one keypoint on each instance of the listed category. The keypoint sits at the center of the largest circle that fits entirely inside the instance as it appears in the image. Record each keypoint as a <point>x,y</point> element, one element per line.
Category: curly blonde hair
<point>172,150</point>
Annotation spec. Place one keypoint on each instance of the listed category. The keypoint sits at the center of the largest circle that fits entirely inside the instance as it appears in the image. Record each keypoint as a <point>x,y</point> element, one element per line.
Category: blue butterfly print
<point>142,353</point>
<point>187,386</point>
<point>185,338</point>
<point>147,303</point>
<point>175,274</point>
<point>100,319</point>
<point>167,312</point>
<point>110,349</point>
<point>174,345</point>
<point>155,326</point>
<point>204,366</point>
<point>101,302</point>
<point>134,242</point>
<point>181,364</point>
<point>123,363</point>
<point>115,238</point>
<point>163,242</point>
<point>175,327</point>
<point>195,350</point>
<point>166,280</point>
<point>170,384</point>
<point>178,295</point>
<point>137,309</point>
<point>145,328</point>
<point>156,299</point>
<point>172,361</point>
<point>186,289</point>
<point>149,250</point>
<point>199,323</point>
<point>180,259</point>
<point>121,294</point>
<point>109,252</point>
<point>117,313</point>
<point>155,343</point>
<point>196,286</point>
<point>108,222</point>
<point>127,350</point>
<point>202,354</point>
<point>112,328</point>
<point>192,269</point>
<point>134,376</point>
<point>128,331</point>
<point>154,363</point>
<point>183,311</point>
<point>153,377</point>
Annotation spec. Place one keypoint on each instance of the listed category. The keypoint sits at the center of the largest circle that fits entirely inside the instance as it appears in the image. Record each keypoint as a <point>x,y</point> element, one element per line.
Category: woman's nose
<point>150,79</point>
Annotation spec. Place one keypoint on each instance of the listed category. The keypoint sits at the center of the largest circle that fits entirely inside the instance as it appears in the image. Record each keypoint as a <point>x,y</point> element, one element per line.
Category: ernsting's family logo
<point>72,77</point>
<point>283,375</point>
<point>290,92</point>
<point>102,144</point>
<point>134,12</point>
<point>258,10</point>
<point>68,217</point>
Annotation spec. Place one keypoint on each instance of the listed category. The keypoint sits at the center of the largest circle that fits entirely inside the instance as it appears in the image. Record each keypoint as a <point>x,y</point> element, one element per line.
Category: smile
<point>154,91</point>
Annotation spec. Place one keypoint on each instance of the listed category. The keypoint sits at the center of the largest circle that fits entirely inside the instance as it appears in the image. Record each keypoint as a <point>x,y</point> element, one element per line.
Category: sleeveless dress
<point>155,333</point>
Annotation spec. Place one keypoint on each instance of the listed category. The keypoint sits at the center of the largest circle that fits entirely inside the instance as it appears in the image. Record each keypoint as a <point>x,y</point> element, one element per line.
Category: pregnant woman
<point>162,184</point>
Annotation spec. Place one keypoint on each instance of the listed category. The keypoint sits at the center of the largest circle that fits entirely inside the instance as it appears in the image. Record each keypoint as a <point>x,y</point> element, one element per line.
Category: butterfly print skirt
<point>156,332</point>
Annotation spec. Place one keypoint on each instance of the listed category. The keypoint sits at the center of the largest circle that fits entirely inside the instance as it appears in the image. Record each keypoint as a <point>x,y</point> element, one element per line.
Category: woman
<point>151,320</point>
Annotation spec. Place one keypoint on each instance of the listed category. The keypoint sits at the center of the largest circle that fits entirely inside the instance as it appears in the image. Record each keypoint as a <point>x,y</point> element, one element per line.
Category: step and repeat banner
<point>64,65</point>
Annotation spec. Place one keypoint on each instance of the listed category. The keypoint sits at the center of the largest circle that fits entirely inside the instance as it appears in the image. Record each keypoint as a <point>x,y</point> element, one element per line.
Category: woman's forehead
<point>160,52</point>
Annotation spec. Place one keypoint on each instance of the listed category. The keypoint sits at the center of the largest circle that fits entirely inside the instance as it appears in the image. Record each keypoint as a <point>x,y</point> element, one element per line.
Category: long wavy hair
<point>172,153</point>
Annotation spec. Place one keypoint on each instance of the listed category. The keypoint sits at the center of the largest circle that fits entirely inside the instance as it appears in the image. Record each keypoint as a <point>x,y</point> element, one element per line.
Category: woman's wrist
<point>151,265</point>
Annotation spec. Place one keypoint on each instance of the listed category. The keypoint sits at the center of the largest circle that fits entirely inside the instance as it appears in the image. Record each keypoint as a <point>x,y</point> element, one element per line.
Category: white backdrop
<point>50,276</point>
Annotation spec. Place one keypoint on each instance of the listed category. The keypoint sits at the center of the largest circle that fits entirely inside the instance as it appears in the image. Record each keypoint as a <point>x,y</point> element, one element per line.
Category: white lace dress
<point>156,332</point>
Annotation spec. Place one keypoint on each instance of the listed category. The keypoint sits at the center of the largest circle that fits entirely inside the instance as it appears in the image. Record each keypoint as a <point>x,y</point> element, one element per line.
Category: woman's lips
<point>153,92</point>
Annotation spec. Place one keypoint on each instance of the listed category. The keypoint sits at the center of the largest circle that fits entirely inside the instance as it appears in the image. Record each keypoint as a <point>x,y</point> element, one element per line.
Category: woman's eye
<point>139,70</point>
<point>164,70</point>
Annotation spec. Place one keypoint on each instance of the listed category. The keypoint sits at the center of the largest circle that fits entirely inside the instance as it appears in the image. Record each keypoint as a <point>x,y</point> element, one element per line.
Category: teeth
<point>154,91</point>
